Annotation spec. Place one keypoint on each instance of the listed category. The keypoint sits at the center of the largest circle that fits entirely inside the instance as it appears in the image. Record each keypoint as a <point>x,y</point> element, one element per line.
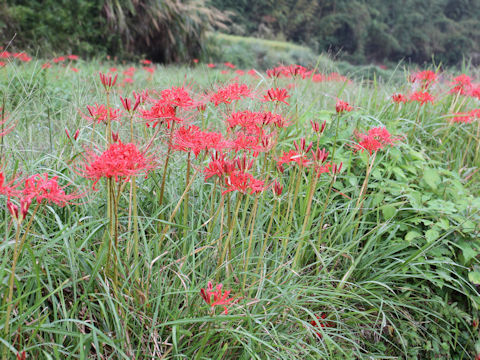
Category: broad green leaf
<point>432,178</point>
<point>412,235</point>
<point>474,277</point>
<point>389,211</point>
<point>431,235</point>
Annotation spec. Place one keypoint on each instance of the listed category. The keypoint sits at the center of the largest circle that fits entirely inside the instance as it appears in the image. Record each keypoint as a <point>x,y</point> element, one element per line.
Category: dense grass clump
<point>213,212</point>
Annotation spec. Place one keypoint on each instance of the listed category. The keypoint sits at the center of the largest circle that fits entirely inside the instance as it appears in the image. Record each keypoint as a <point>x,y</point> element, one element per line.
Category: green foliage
<point>371,30</point>
<point>163,31</point>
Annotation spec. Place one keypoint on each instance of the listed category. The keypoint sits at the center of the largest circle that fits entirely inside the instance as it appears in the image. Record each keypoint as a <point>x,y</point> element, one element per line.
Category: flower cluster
<point>120,162</point>
<point>375,139</point>
<point>216,297</point>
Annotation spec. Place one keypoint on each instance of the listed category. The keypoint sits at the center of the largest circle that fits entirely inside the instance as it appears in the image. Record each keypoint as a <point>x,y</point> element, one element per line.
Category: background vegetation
<point>359,31</point>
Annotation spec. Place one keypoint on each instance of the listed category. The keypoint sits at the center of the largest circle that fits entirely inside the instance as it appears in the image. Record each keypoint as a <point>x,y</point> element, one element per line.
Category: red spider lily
<point>5,54</point>
<point>191,138</point>
<point>246,142</point>
<point>277,188</point>
<point>342,106</point>
<point>287,71</point>
<point>149,69</point>
<point>211,66</point>
<point>240,72</point>
<point>252,73</point>
<point>252,122</point>
<point>376,138</point>
<point>107,81</point>
<point>99,113</point>
<point>229,93</point>
<point>113,69</point>
<point>276,95</point>
<point>216,297</point>
<point>303,147</point>
<point>219,166</point>
<point>8,189</point>
<point>316,127</point>
<point>22,56</point>
<point>224,72</point>
<point>465,118</point>
<point>145,62</point>
<point>74,69</point>
<point>159,113</point>
<point>293,156</point>
<point>120,161</point>
<point>229,65</point>
<point>195,61</point>
<point>243,182</point>
<point>336,168</point>
<point>320,323</point>
<point>178,97</point>
<point>40,187</point>
<point>129,72</point>
<point>2,64</point>
<point>461,84</point>
<point>59,59</point>
<point>46,66</point>
<point>426,78</point>
<point>421,97</point>
<point>399,98</point>
<point>72,57</point>
<point>127,103</point>
<point>75,136</point>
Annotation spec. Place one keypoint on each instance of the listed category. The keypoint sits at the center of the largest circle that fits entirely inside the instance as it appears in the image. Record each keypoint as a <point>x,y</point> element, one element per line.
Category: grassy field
<point>367,249</point>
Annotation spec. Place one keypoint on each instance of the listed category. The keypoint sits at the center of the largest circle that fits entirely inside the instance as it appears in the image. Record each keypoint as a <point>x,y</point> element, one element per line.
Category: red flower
<point>107,81</point>
<point>211,66</point>
<point>40,187</point>
<point>99,113</point>
<point>277,188</point>
<point>191,138</point>
<point>376,138</point>
<point>120,161</point>
<point>294,156</point>
<point>276,95</point>
<point>243,182</point>
<point>230,93</point>
<point>319,323</point>
<point>216,297</point>
<point>461,85</point>
<point>219,166</point>
<point>145,62</point>
<point>148,69</point>
<point>342,106</point>
<point>58,59</point>
<point>72,57</point>
<point>195,61</point>
<point>465,118</point>
<point>421,97</point>
<point>399,98</point>
<point>426,78</point>
<point>229,64</point>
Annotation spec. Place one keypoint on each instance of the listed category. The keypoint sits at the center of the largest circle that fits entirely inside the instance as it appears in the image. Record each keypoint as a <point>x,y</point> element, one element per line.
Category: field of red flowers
<point>211,212</point>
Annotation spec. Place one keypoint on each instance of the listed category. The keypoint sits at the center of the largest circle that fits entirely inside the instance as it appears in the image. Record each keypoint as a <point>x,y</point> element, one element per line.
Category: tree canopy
<point>365,30</point>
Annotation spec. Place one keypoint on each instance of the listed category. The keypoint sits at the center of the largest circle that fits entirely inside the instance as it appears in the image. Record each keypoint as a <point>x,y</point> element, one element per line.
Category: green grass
<point>395,280</point>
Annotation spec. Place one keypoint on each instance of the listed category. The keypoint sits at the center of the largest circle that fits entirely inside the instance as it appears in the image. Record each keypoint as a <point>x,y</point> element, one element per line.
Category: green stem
<point>250,241</point>
<point>19,242</point>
